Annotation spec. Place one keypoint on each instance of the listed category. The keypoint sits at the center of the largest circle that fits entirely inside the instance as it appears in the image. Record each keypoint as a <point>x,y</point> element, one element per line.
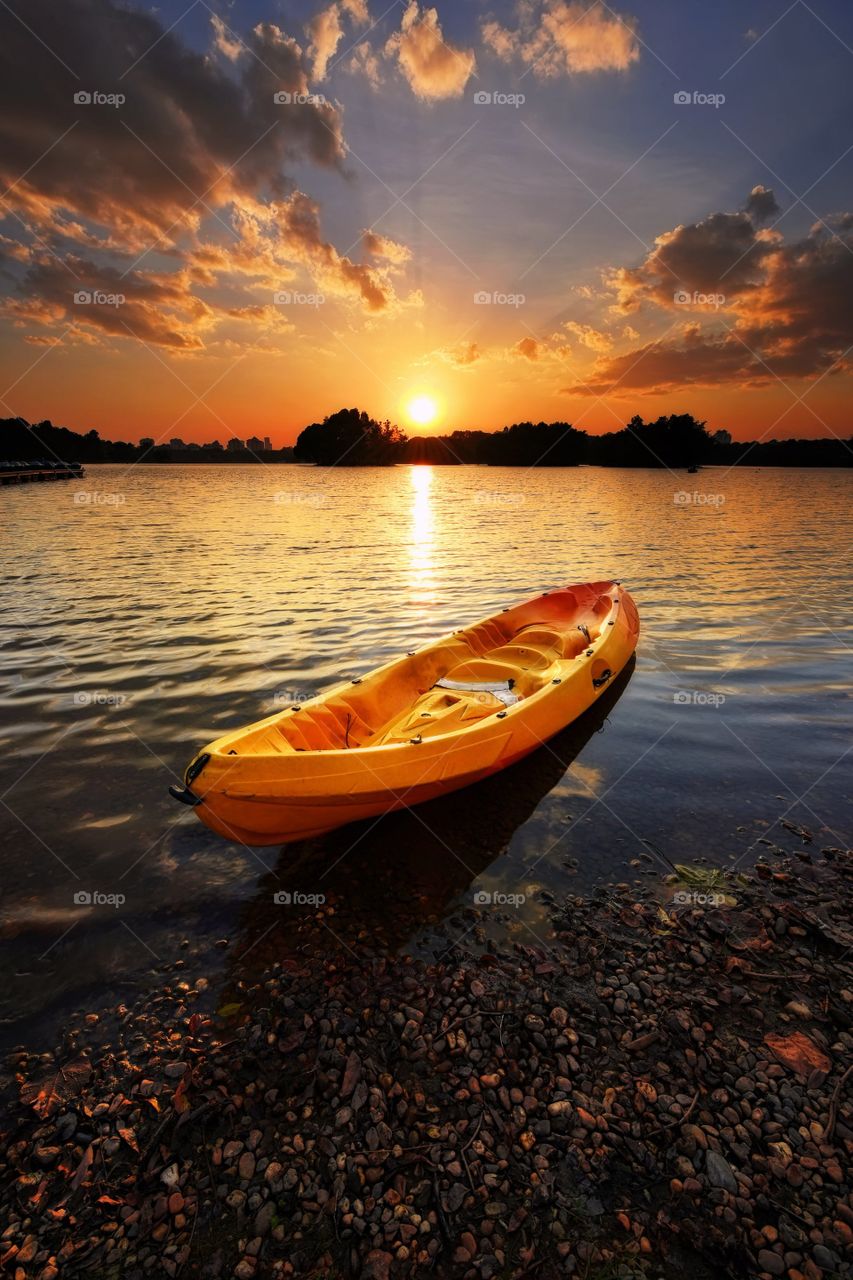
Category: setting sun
<point>422,410</point>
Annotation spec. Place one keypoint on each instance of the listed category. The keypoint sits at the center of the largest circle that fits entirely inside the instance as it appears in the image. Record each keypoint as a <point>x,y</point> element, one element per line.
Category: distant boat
<point>691,471</point>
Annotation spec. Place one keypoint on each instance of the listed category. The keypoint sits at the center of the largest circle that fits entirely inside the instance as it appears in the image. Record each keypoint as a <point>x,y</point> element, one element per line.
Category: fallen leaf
<point>129,1137</point>
<point>55,1090</point>
<point>352,1074</point>
<point>798,1052</point>
<point>83,1167</point>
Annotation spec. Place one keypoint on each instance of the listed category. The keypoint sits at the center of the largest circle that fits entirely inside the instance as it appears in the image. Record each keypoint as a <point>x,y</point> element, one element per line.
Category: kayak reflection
<point>370,887</point>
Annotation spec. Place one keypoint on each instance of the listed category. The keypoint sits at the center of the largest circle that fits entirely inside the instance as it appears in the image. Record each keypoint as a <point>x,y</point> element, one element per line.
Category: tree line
<point>351,437</point>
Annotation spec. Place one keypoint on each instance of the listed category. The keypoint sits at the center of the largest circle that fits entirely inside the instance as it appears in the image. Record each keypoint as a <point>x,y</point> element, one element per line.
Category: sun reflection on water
<point>421,561</point>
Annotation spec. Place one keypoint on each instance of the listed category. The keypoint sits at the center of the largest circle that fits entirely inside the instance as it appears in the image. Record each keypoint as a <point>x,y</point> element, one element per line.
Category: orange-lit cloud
<point>554,38</point>
<point>462,356</point>
<point>755,308</point>
<point>433,67</point>
<point>191,167</point>
<point>379,246</point>
<point>326,31</point>
<point>528,347</point>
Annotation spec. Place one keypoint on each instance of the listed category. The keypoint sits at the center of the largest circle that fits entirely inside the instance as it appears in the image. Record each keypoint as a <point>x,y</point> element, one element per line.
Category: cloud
<point>589,336</point>
<point>379,246</point>
<point>761,205</point>
<point>191,135</point>
<point>462,356</point>
<point>558,38</point>
<point>722,253</point>
<point>159,309</point>
<point>192,164</point>
<point>274,238</point>
<point>357,9</point>
<point>757,309</point>
<point>433,67</point>
<point>366,63</point>
<point>225,40</point>
<point>528,347</point>
<point>326,33</point>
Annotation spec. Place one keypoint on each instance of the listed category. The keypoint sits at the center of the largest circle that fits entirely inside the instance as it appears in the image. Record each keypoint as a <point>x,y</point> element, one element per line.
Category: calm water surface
<point>145,610</point>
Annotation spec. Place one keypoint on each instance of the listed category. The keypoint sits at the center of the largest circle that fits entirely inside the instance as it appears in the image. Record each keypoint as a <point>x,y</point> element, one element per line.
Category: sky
<point>231,219</point>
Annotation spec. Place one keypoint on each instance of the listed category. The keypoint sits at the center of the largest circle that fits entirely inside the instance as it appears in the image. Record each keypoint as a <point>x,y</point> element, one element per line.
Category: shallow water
<point>147,609</point>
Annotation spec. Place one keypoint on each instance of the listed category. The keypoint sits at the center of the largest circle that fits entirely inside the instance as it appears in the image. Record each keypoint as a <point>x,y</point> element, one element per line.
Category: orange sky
<point>220,225</point>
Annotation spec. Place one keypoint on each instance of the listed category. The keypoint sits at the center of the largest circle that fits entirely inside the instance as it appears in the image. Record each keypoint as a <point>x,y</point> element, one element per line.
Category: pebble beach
<point>663,1091</point>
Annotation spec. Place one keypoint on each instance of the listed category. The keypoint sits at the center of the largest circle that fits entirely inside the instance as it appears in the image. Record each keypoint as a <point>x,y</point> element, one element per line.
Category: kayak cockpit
<point>442,689</point>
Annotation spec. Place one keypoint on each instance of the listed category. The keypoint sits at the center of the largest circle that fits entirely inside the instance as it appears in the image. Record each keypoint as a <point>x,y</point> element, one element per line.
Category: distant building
<point>146,442</point>
<point>254,444</point>
<point>234,445</point>
<point>267,444</point>
<point>176,443</point>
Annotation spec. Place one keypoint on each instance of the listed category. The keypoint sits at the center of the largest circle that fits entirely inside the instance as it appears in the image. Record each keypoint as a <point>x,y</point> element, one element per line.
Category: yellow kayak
<point>438,719</point>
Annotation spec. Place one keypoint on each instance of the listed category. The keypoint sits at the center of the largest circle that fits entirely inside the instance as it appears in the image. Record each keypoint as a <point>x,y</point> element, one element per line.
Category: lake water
<point>147,609</point>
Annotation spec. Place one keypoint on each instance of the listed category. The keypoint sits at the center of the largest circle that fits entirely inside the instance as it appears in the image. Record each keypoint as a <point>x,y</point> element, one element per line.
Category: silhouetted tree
<point>350,438</point>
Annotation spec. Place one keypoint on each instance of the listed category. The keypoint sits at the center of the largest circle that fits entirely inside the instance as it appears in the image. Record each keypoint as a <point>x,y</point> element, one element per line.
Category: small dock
<point>39,472</point>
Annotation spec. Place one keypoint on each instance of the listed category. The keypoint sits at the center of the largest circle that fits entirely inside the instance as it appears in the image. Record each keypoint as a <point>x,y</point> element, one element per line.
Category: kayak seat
<point>528,655</point>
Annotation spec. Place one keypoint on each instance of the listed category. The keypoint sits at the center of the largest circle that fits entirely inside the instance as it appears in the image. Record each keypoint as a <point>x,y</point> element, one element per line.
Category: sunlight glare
<point>422,410</point>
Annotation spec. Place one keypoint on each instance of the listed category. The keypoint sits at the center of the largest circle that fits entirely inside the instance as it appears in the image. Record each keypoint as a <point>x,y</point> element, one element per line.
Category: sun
<point>422,410</point>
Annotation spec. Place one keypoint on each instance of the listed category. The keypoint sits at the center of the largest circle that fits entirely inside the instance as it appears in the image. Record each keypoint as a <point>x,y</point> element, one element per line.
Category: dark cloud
<point>756,309</point>
<point>721,254</point>
<point>761,205</point>
<point>191,165</point>
<point>95,299</point>
<point>203,129</point>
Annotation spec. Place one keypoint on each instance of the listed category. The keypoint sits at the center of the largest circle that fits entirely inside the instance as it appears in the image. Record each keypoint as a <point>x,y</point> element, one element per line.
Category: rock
<point>46,1156</point>
<point>377,1265</point>
<point>264,1217</point>
<point>175,1070</point>
<point>246,1166</point>
<point>772,1262</point>
<point>455,1196</point>
<point>719,1172</point>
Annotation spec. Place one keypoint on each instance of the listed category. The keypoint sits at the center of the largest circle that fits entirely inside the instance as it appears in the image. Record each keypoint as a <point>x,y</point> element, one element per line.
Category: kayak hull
<point>396,738</point>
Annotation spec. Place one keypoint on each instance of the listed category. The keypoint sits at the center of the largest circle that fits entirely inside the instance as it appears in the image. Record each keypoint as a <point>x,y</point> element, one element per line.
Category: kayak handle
<point>184,795</point>
<point>598,681</point>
